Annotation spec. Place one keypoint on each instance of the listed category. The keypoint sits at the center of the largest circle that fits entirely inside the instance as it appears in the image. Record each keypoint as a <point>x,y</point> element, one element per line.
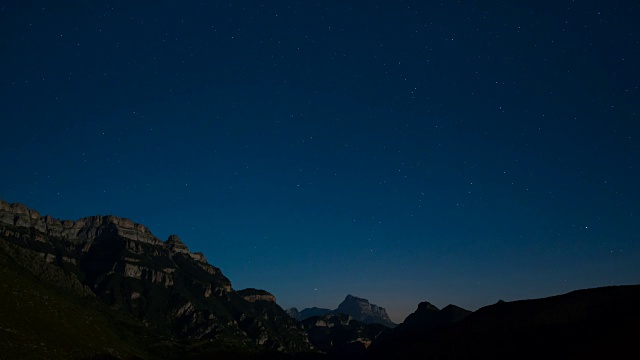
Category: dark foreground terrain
<point>585,324</point>
<point>105,288</point>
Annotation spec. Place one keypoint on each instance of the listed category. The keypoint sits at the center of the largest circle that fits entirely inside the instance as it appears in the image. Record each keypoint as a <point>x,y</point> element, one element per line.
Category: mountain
<point>358,308</point>
<point>347,331</point>
<point>161,286</point>
<point>293,312</point>
<point>590,323</point>
<point>104,287</point>
<point>427,317</point>
<point>361,310</point>
<point>421,324</point>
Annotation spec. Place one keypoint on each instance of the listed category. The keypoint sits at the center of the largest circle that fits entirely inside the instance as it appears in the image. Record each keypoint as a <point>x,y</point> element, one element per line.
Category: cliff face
<point>163,284</point>
<point>364,311</point>
<point>88,229</point>
<point>253,295</point>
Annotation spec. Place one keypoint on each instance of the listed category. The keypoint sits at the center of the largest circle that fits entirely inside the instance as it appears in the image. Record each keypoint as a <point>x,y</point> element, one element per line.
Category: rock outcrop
<point>253,295</point>
<point>87,229</point>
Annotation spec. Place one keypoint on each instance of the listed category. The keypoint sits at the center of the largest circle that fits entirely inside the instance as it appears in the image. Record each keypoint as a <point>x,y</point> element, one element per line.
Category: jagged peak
<point>17,207</point>
<point>176,245</point>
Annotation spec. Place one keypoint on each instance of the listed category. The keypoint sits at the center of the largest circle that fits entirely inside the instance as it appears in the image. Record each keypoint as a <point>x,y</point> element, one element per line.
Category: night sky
<point>457,152</point>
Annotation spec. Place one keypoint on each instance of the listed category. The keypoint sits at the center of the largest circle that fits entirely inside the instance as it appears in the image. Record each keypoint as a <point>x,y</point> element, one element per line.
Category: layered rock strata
<point>162,283</point>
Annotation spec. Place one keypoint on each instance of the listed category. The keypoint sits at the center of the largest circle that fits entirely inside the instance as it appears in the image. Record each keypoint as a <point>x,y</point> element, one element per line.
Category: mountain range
<point>358,308</point>
<point>104,287</point>
<point>599,323</point>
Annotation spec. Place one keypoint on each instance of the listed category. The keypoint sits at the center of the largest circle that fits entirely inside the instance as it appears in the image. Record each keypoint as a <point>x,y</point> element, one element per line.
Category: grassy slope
<point>45,313</point>
<point>40,322</point>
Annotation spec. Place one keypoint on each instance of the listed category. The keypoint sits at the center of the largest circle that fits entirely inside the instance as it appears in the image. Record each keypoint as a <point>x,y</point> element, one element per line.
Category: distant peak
<point>362,310</point>
<point>427,306</point>
<point>451,307</point>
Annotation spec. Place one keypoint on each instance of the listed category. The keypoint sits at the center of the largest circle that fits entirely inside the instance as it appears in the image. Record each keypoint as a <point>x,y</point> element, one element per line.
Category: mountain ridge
<point>111,284</point>
<point>586,323</point>
<point>359,309</point>
<point>161,283</point>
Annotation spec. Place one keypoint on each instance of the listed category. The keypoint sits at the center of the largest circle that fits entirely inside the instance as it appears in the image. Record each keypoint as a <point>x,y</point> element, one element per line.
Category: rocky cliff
<point>88,229</point>
<point>361,310</point>
<point>161,283</point>
<point>253,295</point>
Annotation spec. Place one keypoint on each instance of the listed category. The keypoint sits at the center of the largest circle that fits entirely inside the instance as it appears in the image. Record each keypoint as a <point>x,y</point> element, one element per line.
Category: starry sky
<point>456,152</point>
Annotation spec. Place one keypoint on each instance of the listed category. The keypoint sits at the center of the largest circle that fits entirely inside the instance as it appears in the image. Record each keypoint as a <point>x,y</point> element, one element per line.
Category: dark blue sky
<point>401,151</point>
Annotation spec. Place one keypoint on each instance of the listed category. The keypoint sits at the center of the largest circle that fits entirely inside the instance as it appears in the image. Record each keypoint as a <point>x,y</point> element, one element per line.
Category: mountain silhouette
<point>358,308</point>
<point>590,323</point>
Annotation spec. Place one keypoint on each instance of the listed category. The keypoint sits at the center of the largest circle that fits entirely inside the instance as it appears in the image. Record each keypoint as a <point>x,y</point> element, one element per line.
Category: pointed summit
<point>176,245</point>
<point>426,306</point>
